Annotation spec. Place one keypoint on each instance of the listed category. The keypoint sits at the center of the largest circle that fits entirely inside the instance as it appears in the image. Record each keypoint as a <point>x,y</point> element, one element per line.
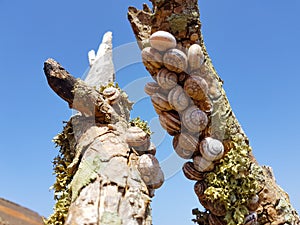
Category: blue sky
<point>254,46</point>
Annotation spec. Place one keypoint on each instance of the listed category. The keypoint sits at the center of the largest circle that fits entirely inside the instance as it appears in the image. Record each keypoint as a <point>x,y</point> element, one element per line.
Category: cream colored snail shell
<point>191,173</point>
<point>162,40</point>
<point>195,57</point>
<point>194,119</point>
<point>150,170</point>
<point>196,87</point>
<point>160,102</point>
<point>203,165</point>
<point>181,152</point>
<point>251,219</point>
<point>166,79</point>
<point>170,121</point>
<point>178,99</point>
<point>152,56</point>
<point>151,88</point>
<point>211,149</point>
<point>136,137</point>
<point>175,60</point>
<point>216,220</point>
<point>188,141</point>
<point>112,94</point>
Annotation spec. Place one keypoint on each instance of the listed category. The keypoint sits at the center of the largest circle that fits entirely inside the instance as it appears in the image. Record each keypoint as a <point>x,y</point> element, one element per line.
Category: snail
<point>166,79</point>
<point>211,149</point>
<point>162,40</point>
<point>203,165</point>
<point>175,60</point>
<point>112,94</point>
<point>151,88</point>
<point>215,220</point>
<point>188,141</point>
<point>181,152</point>
<point>251,219</point>
<point>170,121</point>
<point>194,119</point>
<point>216,207</point>
<point>199,188</point>
<point>195,57</point>
<point>196,87</point>
<point>253,203</point>
<point>191,173</point>
<point>151,56</point>
<point>150,171</point>
<point>205,105</point>
<point>178,99</point>
<point>160,102</point>
<point>136,137</point>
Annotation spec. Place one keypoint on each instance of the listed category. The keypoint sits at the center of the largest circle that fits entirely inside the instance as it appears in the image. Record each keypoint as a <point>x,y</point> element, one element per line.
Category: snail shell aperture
<point>191,173</point>
<point>196,87</point>
<point>112,94</point>
<point>194,119</point>
<point>162,40</point>
<point>152,56</point>
<point>170,121</point>
<point>136,137</point>
<point>203,165</point>
<point>195,57</point>
<point>166,79</point>
<point>175,60</point>
<point>211,149</point>
<point>178,99</point>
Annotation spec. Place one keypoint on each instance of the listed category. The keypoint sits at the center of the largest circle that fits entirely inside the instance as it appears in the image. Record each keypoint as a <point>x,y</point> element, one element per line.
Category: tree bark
<point>181,19</point>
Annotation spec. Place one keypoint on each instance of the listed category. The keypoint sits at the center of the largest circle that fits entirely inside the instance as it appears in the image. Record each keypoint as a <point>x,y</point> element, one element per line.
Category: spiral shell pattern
<point>199,188</point>
<point>211,149</point>
<point>194,119</point>
<point>191,173</point>
<point>166,79</point>
<point>178,99</point>
<point>196,87</point>
<point>151,88</point>
<point>112,94</point>
<point>136,137</point>
<point>160,102</point>
<point>170,121</point>
<point>175,60</point>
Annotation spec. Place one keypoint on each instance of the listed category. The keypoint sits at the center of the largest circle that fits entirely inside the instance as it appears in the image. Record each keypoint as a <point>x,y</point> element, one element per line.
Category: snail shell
<point>216,207</point>
<point>203,165</point>
<point>181,152</point>
<point>199,188</point>
<point>150,150</point>
<point>194,119</point>
<point>251,219</point>
<point>152,56</point>
<point>188,141</point>
<point>178,99</point>
<point>150,170</point>
<point>195,57</point>
<point>175,60</point>
<point>205,105</point>
<point>191,173</point>
<point>160,102</point>
<point>196,87</point>
<point>166,79</point>
<point>211,149</point>
<point>136,137</point>
<point>151,88</point>
<point>162,40</point>
<point>112,94</point>
<point>170,121</point>
<point>253,203</point>
<point>215,220</point>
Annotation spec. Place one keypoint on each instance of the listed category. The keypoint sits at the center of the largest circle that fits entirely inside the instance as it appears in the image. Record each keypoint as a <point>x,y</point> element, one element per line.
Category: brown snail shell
<point>194,119</point>
<point>112,94</point>
<point>170,121</point>
<point>150,170</point>
<point>251,219</point>
<point>211,149</point>
<point>162,40</point>
<point>216,207</point>
<point>188,141</point>
<point>195,57</point>
<point>191,173</point>
<point>196,87</point>
<point>178,99</point>
<point>205,105</point>
<point>203,165</point>
<point>199,188</point>
<point>136,137</point>
<point>253,203</point>
<point>181,152</point>
<point>151,88</point>
<point>160,102</point>
<point>166,79</point>
<point>216,220</point>
<point>152,56</point>
<point>175,60</point>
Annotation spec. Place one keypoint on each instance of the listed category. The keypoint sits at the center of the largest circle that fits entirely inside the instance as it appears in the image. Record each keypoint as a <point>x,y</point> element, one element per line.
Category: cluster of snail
<point>183,95</point>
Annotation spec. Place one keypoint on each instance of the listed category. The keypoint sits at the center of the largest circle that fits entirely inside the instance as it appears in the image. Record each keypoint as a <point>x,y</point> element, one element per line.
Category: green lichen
<point>178,22</point>
<point>138,122</point>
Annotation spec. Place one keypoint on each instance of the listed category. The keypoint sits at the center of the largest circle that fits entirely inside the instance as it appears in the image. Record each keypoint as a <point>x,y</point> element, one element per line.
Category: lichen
<point>138,122</point>
<point>178,22</point>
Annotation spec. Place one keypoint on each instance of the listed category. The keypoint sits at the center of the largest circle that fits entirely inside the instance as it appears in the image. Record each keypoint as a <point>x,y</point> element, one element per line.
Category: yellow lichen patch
<point>138,122</point>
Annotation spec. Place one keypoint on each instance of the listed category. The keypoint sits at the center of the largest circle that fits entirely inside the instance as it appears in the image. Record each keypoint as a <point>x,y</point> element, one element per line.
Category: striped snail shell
<point>211,149</point>
<point>196,87</point>
<point>175,60</point>
<point>160,102</point>
<point>195,57</point>
<point>217,208</point>
<point>188,141</point>
<point>178,99</point>
<point>150,171</point>
<point>151,88</point>
<point>194,119</point>
<point>152,56</point>
<point>166,79</point>
<point>199,188</point>
<point>203,165</point>
<point>253,203</point>
<point>205,105</point>
<point>191,173</point>
<point>112,94</point>
<point>216,220</point>
<point>181,152</point>
<point>251,219</point>
<point>136,137</point>
<point>170,121</point>
<point>162,40</point>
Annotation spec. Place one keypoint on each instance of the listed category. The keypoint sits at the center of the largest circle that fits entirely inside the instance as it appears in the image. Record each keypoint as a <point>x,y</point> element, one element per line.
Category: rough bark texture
<point>181,18</point>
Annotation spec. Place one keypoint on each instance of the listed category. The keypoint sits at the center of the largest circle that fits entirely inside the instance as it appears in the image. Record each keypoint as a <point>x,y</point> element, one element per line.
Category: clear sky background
<point>254,46</point>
